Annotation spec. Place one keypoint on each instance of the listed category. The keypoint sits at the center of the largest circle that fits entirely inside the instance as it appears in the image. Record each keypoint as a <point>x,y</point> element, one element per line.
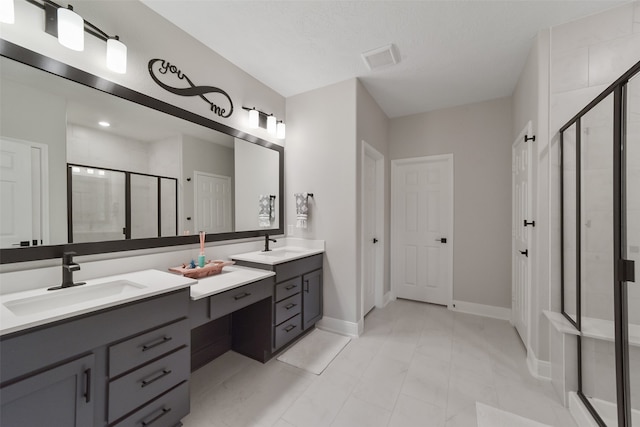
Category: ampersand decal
<point>166,67</point>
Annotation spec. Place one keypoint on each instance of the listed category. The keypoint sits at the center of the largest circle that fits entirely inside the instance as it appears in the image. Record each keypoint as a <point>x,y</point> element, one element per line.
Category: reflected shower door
<point>631,233</point>
<point>144,206</point>
<point>596,245</point>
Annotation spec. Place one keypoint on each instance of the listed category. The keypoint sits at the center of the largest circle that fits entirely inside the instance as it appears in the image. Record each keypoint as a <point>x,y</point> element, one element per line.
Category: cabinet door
<point>311,298</point>
<point>58,397</point>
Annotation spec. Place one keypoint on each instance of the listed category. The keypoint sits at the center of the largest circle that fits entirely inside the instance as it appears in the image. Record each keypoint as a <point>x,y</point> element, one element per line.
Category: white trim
<point>388,297</point>
<point>502,313</point>
<point>367,149</point>
<point>540,369</point>
<point>579,412</point>
<point>394,214</point>
<point>342,327</point>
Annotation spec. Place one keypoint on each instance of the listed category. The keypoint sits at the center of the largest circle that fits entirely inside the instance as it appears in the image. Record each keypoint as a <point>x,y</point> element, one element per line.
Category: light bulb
<point>281,130</point>
<point>70,29</point>
<point>116,55</point>
<point>7,14</point>
<point>254,118</point>
<point>271,124</point>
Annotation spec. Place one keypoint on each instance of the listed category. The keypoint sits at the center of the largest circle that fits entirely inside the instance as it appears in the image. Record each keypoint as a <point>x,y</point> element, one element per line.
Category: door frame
<point>521,139</point>
<point>394,213</point>
<point>368,150</point>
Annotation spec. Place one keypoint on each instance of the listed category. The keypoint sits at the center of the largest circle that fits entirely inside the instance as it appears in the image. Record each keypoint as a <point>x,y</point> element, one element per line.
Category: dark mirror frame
<point>44,63</point>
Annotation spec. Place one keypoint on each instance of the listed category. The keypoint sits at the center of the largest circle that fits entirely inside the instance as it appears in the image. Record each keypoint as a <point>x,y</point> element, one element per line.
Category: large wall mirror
<point>155,176</point>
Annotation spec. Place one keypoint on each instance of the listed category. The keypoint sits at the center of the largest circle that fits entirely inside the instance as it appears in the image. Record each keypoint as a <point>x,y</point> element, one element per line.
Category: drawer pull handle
<point>164,412</point>
<point>289,328</point>
<point>288,288</point>
<point>162,374</point>
<point>306,286</point>
<point>87,385</point>
<point>289,306</point>
<point>240,296</point>
<point>161,341</point>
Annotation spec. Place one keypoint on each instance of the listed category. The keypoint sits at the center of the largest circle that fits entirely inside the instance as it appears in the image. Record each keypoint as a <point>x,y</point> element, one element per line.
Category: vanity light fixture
<point>260,119</point>
<point>7,14</point>
<point>271,124</point>
<point>69,28</point>
<point>254,118</point>
<point>281,130</point>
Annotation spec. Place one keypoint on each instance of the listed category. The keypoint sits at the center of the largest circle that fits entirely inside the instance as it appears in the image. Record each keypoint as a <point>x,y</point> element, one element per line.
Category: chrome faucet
<point>68,267</point>
<point>266,242</point>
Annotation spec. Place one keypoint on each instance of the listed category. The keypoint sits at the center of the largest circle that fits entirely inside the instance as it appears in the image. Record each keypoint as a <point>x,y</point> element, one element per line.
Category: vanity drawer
<point>290,269</point>
<point>288,308</point>
<point>167,411</point>
<point>288,288</point>
<point>235,299</point>
<point>287,331</point>
<point>138,387</point>
<point>139,350</point>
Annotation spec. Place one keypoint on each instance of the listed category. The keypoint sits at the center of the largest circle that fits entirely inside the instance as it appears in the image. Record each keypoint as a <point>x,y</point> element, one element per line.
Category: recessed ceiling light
<point>104,124</point>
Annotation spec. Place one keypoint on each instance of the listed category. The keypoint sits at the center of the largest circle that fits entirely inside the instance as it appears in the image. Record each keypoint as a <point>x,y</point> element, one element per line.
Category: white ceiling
<point>452,52</point>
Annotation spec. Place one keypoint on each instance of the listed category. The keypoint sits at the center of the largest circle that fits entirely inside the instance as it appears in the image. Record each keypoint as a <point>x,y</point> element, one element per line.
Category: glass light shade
<point>70,29</point>
<point>281,130</point>
<point>7,14</point>
<point>116,56</point>
<point>254,118</point>
<point>271,124</point>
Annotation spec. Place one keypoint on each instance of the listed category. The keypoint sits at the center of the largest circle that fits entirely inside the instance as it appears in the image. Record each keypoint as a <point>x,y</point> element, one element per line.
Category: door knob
<point>442,240</point>
<point>375,240</point>
<point>525,252</point>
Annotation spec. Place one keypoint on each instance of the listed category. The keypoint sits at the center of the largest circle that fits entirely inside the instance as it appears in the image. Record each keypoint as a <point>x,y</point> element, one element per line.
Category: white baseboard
<point>495,312</point>
<point>342,327</point>
<point>540,369</point>
<point>387,298</point>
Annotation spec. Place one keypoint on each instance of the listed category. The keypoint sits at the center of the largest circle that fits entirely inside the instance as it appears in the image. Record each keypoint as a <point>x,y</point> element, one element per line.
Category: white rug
<point>489,416</point>
<point>314,352</point>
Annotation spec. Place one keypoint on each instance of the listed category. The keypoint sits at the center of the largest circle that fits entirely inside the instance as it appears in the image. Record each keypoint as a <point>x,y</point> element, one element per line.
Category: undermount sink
<point>282,253</point>
<point>52,300</point>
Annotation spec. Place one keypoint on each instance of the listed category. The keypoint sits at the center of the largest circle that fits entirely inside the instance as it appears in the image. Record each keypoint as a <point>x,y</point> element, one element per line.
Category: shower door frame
<point>620,279</point>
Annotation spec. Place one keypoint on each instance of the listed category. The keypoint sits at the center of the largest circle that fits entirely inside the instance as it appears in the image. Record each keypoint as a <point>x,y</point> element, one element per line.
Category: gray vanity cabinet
<point>311,298</point>
<point>297,297</point>
<point>61,396</point>
<point>123,366</point>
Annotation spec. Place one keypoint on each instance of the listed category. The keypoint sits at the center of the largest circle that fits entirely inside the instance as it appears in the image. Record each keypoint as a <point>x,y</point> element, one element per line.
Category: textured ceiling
<point>452,52</point>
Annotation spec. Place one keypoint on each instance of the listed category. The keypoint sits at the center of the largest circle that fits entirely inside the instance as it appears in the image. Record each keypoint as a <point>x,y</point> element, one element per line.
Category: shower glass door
<point>631,233</point>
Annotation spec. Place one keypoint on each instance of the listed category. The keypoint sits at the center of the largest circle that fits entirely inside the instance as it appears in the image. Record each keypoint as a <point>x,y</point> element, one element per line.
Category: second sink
<point>70,296</point>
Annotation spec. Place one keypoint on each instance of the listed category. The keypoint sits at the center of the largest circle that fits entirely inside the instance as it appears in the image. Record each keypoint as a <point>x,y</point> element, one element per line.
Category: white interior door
<point>212,203</point>
<point>15,206</point>
<point>372,212</point>
<point>521,233</point>
<point>422,212</point>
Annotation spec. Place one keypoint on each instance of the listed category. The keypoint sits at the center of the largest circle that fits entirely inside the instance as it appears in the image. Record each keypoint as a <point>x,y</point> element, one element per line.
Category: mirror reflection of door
<point>23,197</point>
<point>213,202</point>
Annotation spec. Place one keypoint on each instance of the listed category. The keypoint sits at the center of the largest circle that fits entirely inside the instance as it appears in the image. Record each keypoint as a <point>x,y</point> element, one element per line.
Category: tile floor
<point>415,365</point>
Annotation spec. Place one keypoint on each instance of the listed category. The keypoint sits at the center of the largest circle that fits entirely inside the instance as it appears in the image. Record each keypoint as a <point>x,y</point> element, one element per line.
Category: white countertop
<point>277,255</point>
<point>26,309</point>
<point>230,277</point>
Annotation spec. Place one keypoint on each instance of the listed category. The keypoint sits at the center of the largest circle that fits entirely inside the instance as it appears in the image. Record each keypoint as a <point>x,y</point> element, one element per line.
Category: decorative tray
<point>210,268</point>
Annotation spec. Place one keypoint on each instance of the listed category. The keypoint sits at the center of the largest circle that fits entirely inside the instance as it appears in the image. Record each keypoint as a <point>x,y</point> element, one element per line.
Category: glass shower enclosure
<point>600,209</point>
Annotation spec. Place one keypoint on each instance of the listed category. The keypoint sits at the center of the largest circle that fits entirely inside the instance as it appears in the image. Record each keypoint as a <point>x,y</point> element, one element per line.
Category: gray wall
<point>479,136</point>
<point>320,158</point>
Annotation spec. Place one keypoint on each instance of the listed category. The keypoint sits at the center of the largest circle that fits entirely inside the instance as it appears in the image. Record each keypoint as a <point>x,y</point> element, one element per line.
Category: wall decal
<point>165,67</point>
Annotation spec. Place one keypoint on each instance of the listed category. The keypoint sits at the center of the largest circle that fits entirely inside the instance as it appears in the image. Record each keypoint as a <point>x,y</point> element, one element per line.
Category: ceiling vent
<point>381,57</point>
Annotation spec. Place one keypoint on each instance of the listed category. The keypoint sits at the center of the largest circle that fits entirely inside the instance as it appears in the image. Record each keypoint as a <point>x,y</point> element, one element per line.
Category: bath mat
<point>314,352</point>
<point>492,417</point>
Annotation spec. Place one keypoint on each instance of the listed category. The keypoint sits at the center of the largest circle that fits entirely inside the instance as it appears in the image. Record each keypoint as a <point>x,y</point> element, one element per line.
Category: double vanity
<point>119,351</point>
